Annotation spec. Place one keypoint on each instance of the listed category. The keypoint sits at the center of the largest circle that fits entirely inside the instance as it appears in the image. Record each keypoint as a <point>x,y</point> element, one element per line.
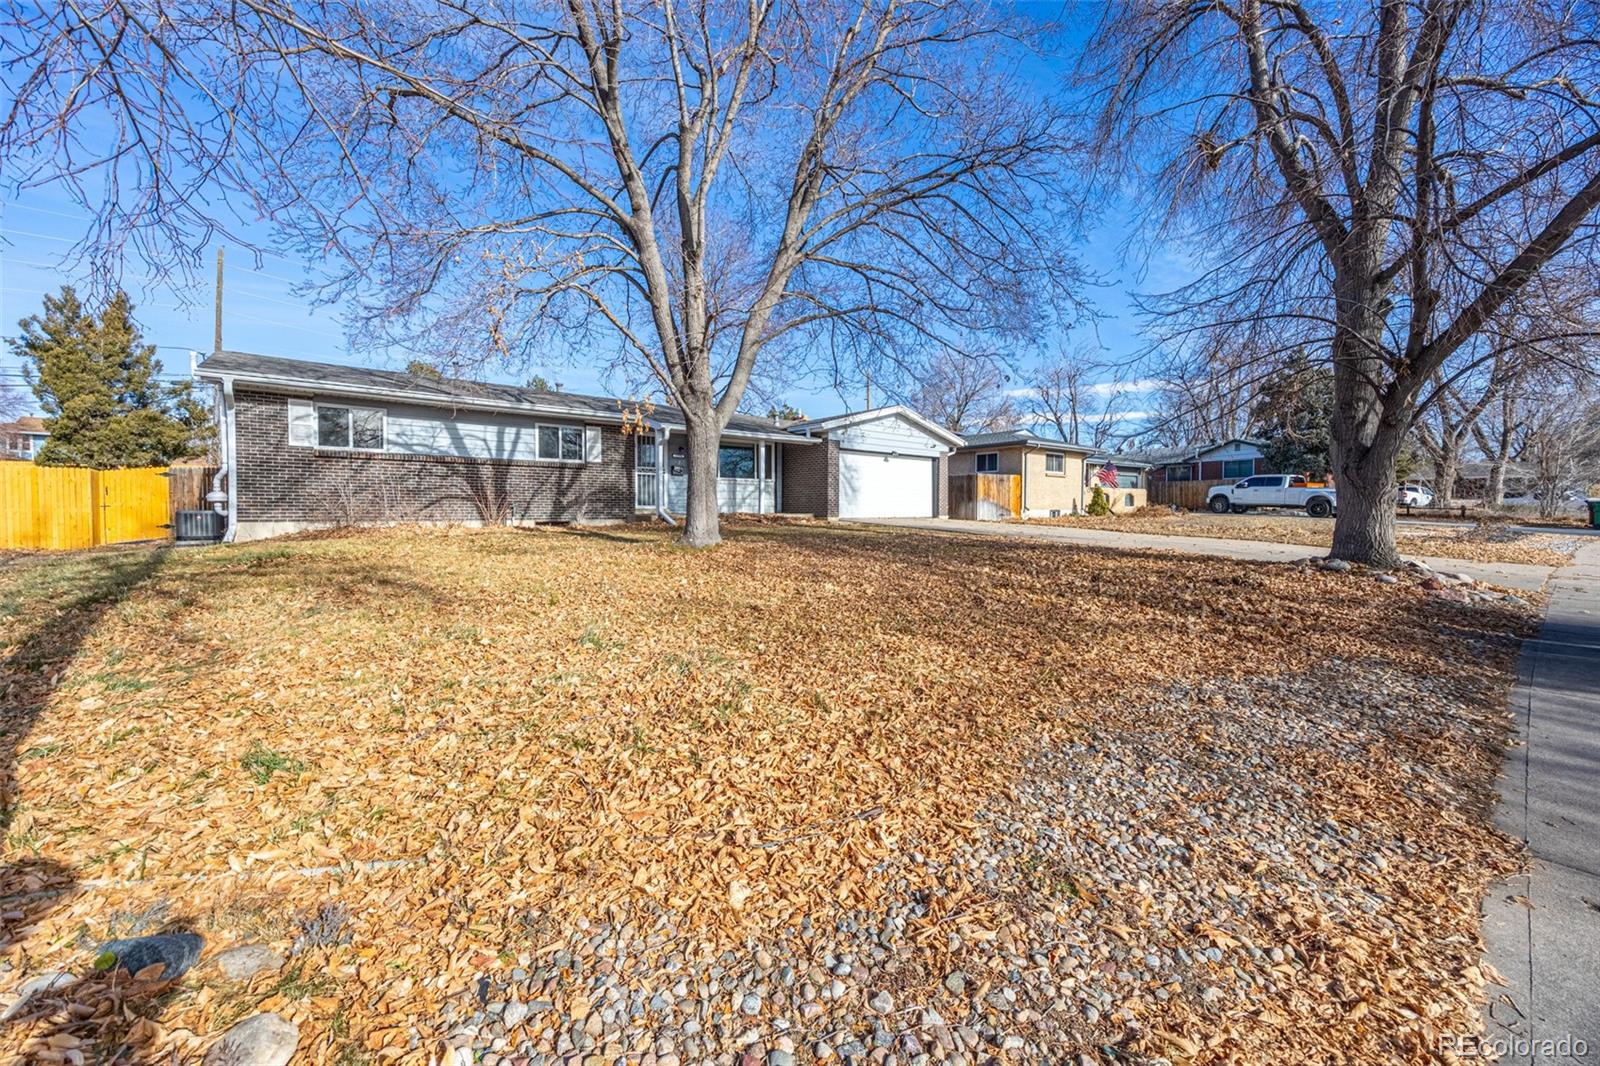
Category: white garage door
<point>874,485</point>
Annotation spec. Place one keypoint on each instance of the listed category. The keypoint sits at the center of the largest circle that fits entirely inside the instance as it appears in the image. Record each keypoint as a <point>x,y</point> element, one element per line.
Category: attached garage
<point>878,485</point>
<point>885,463</point>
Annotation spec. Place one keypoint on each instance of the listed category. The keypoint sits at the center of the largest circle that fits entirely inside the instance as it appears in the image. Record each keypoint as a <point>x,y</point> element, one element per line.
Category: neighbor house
<point>1047,477</point>
<point>1131,488</point>
<point>309,445</point>
<point>1226,460</point>
<point>23,438</point>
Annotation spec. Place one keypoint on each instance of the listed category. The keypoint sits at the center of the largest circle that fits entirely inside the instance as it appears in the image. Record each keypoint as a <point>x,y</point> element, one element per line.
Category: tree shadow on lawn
<point>37,657</point>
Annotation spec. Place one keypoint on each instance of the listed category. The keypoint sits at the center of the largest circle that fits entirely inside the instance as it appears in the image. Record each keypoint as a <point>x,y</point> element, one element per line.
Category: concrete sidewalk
<point>1543,927</point>
<point>1509,575</point>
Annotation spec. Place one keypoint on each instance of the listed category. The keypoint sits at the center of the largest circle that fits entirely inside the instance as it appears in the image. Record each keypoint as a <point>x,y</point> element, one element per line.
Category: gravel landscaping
<point>1483,542</point>
<point>867,795</point>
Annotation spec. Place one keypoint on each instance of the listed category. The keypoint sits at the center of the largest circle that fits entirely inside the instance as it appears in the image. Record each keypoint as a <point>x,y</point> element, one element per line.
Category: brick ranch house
<point>1227,460</point>
<point>310,445</point>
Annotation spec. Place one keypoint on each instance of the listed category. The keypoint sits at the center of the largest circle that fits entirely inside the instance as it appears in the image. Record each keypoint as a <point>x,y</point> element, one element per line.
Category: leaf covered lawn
<point>1482,542</point>
<point>470,742</point>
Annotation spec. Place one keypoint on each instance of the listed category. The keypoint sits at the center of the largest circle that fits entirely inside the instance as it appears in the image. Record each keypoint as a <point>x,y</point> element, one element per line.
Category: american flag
<point>1107,476</point>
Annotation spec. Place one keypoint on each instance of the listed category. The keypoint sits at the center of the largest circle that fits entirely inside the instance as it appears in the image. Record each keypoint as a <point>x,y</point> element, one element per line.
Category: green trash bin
<point>1594,512</point>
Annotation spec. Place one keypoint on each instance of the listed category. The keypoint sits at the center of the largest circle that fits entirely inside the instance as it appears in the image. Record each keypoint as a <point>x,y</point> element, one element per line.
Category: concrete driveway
<point>1519,576</point>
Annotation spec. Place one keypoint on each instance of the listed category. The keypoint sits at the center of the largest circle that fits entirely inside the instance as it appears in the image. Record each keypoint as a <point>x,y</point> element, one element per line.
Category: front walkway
<point>1543,926</point>
<point>1519,576</point>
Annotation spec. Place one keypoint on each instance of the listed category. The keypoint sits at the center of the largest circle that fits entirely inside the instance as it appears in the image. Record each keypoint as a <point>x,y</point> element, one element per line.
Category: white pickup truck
<point>1272,490</point>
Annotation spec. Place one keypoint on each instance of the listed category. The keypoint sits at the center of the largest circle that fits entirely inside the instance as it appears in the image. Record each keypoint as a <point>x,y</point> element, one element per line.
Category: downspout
<point>1024,464</point>
<point>228,503</point>
<point>662,433</point>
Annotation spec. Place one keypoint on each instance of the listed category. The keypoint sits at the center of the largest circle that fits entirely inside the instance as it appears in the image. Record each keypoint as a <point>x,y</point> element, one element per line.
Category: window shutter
<point>302,423</point>
<point>591,444</point>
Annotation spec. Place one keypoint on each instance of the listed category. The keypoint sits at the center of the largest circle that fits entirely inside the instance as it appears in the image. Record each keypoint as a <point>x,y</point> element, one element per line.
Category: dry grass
<point>581,724</point>
<point>1483,542</point>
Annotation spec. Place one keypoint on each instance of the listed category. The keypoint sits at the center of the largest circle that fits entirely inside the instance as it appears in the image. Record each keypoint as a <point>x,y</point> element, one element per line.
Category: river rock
<point>245,961</point>
<point>260,1040</point>
<point>176,952</point>
<point>34,986</point>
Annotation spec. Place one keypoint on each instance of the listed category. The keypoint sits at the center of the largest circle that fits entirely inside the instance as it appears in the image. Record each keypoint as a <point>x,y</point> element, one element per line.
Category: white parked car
<point>1272,490</point>
<point>1415,496</point>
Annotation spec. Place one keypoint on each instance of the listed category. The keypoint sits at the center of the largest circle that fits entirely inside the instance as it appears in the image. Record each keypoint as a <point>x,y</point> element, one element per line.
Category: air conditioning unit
<point>197,527</point>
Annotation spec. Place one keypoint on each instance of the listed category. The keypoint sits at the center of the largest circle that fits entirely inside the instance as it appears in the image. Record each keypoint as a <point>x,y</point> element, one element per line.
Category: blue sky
<point>263,314</point>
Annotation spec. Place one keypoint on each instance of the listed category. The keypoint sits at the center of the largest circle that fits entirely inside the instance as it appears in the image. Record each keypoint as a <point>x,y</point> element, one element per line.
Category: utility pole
<point>216,343</point>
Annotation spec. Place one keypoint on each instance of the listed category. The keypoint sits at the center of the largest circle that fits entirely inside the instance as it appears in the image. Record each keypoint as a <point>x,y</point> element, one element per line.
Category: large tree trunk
<point>1366,435</point>
<point>701,527</point>
<point>1363,528</point>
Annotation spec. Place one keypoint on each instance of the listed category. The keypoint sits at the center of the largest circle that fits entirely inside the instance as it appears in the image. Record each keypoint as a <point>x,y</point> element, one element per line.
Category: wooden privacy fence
<point>187,487</point>
<point>985,497</point>
<point>74,507</point>
<point>1190,495</point>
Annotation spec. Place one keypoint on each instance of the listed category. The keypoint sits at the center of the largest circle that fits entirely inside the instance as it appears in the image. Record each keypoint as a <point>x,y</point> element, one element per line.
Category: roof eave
<point>305,386</point>
<point>425,399</point>
<point>932,428</point>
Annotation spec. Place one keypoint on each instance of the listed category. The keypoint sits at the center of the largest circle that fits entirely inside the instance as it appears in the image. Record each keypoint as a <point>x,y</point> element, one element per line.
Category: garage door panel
<point>876,485</point>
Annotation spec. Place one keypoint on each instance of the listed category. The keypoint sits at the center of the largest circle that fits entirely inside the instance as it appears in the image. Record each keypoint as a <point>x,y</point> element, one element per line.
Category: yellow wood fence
<point>74,507</point>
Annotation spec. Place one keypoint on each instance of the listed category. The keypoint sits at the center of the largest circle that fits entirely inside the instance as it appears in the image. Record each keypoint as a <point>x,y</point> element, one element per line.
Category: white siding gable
<point>891,433</point>
<point>1235,450</point>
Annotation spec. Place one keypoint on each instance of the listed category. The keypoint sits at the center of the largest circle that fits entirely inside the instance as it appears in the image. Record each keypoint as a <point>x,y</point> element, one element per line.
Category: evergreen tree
<point>1295,414</point>
<point>97,382</point>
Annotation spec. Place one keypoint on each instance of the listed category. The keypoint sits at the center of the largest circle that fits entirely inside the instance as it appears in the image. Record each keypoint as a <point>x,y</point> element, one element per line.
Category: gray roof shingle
<point>1019,436</point>
<point>450,392</point>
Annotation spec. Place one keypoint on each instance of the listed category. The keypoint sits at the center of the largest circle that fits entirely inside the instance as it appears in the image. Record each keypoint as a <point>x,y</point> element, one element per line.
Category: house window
<point>359,428</point>
<point>736,462</point>
<point>1233,468</point>
<point>986,462</point>
<point>1127,500</point>
<point>563,443</point>
<point>1127,479</point>
<point>1180,473</point>
<point>1055,464</point>
<point>644,452</point>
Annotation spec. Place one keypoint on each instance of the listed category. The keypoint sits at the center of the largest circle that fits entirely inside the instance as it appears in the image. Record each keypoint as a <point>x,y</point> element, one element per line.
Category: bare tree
<point>1545,340</point>
<point>1497,434</point>
<point>1207,391</point>
<point>1377,182</point>
<point>1073,395</point>
<point>1448,425</point>
<point>1563,446</point>
<point>12,403</point>
<point>966,394</point>
<point>689,188</point>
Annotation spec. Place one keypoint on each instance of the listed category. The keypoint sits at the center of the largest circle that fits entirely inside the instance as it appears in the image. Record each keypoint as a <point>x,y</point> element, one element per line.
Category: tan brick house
<point>1051,471</point>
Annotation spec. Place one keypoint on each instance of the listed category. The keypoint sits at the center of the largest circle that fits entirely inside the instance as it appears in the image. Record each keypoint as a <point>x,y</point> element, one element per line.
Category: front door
<point>646,480</point>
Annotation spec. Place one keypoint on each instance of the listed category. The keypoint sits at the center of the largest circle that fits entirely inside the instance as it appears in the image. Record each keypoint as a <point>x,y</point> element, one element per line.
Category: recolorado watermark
<point>1501,1045</point>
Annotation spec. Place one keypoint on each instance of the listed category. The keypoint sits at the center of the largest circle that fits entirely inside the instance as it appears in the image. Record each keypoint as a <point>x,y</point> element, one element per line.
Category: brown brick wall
<point>280,483</point>
<point>811,479</point>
